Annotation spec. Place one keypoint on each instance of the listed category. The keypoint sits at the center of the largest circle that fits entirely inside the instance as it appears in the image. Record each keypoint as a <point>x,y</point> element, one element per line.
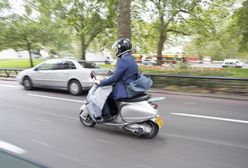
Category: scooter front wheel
<point>153,130</point>
<point>87,121</point>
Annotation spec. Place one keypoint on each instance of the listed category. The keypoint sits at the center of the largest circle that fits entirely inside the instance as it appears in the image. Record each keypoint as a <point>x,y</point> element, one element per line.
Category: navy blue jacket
<point>126,72</point>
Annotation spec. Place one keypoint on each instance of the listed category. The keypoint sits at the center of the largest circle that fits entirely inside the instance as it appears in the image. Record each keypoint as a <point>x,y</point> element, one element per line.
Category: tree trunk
<point>83,49</point>
<point>124,21</point>
<point>162,38</point>
<point>30,55</point>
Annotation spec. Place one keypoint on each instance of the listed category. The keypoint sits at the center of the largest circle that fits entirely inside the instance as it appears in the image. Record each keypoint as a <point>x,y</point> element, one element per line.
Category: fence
<point>9,72</point>
<point>205,84</point>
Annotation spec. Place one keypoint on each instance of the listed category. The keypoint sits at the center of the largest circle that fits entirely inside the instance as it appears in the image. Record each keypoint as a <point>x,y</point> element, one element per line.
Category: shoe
<point>99,119</point>
<point>107,119</point>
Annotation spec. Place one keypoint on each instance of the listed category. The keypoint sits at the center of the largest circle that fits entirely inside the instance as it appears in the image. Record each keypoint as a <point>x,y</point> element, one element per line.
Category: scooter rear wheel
<point>154,130</point>
<point>88,122</point>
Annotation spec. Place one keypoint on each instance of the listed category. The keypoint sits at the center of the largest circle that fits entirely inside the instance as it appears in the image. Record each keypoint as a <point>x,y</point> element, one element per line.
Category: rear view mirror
<point>93,75</point>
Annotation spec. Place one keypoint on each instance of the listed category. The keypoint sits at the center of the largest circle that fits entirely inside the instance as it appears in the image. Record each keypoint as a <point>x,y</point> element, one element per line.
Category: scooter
<point>138,115</point>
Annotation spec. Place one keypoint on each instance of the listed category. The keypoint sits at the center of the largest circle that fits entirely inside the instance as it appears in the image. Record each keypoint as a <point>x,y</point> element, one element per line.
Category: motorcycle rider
<point>126,71</point>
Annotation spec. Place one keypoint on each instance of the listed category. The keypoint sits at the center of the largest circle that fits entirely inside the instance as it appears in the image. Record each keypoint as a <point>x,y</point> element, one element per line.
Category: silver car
<point>66,74</point>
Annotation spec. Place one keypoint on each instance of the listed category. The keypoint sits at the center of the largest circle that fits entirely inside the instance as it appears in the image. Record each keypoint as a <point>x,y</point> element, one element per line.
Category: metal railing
<point>9,72</point>
<point>195,77</point>
<point>210,84</point>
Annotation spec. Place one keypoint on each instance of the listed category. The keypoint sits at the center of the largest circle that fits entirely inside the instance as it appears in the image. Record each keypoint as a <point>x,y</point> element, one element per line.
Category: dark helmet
<point>122,46</point>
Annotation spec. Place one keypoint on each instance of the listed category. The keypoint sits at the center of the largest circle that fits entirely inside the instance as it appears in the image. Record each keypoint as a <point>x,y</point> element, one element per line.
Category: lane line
<point>11,148</point>
<point>107,142</point>
<point>24,109</point>
<point>206,141</point>
<point>211,118</point>
<point>11,86</point>
<point>41,143</point>
<point>44,121</point>
<point>190,103</point>
<point>55,98</point>
<point>69,157</point>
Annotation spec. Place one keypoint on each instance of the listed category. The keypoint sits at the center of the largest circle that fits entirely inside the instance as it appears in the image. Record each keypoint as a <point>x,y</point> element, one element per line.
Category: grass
<point>223,72</point>
<point>18,63</point>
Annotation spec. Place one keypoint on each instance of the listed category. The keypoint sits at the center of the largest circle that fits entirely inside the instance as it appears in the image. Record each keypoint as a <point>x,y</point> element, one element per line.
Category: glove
<point>97,82</point>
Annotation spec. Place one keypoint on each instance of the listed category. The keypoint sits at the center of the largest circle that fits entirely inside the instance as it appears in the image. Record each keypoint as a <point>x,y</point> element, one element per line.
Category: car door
<point>61,73</point>
<point>41,74</point>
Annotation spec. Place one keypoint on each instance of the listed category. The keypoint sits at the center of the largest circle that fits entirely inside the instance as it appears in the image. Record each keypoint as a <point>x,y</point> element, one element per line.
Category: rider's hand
<point>97,82</point>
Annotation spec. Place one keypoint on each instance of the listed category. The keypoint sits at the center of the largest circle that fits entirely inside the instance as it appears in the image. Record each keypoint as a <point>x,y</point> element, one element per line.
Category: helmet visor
<point>114,46</point>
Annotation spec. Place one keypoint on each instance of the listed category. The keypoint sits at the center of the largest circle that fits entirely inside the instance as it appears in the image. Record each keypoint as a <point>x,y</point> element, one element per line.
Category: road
<point>199,132</point>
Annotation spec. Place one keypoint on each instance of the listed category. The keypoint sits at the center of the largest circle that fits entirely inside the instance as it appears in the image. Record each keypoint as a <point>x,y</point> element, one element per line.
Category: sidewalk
<point>210,95</point>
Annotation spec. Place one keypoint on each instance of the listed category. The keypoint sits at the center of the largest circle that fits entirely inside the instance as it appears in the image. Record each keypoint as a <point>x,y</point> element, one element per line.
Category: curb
<point>217,96</point>
<point>8,79</point>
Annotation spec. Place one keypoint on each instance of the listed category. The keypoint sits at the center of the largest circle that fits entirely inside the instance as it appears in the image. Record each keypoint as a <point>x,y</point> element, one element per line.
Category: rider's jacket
<point>126,72</point>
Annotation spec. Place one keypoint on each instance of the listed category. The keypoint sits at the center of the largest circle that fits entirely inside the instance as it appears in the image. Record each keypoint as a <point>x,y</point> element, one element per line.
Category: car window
<point>62,65</point>
<point>46,66</point>
<point>87,64</point>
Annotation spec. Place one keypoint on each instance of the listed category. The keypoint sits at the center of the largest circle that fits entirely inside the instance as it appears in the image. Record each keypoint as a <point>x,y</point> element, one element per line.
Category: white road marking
<point>107,142</point>
<point>55,98</point>
<point>11,148</point>
<point>44,121</point>
<point>211,118</point>
<point>206,141</point>
<point>12,86</point>
<point>41,143</point>
<point>69,157</point>
<point>190,103</point>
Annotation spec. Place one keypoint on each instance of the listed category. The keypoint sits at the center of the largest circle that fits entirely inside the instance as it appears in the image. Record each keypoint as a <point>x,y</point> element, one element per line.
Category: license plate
<point>159,121</point>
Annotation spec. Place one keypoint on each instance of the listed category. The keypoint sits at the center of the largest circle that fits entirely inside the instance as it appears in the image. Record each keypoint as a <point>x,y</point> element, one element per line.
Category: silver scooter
<point>138,115</point>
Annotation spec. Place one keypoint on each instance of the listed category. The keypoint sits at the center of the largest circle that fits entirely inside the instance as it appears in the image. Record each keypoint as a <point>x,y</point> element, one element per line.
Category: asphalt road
<point>199,133</point>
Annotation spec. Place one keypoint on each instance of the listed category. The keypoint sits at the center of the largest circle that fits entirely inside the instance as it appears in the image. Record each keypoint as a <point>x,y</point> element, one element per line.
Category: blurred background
<point>195,37</point>
<point>198,30</point>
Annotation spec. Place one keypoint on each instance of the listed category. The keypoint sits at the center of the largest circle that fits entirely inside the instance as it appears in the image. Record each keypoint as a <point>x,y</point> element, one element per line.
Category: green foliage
<point>221,38</point>
<point>32,31</point>
<point>60,24</point>
<point>18,63</point>
<point>242,15</point>
<point>90,18</point>
<point>222,72</point>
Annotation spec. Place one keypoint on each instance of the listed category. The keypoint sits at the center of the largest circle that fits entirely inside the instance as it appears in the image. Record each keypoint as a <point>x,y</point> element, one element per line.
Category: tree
<point>242,15</point>
<point>221,38</point>
<point>182,17</point>
<point>27,32</point>
<point>124,19</point>
<point>90,18</point>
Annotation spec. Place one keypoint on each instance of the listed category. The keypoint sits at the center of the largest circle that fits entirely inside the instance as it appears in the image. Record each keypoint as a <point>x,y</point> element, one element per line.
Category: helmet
<point>122,46</point>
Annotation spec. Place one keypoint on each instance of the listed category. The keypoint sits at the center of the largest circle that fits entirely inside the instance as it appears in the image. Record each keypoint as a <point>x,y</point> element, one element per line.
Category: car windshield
<point>87,64</point>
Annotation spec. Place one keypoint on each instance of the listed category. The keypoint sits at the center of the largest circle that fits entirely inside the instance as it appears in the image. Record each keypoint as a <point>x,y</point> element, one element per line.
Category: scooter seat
<point>138,98</point>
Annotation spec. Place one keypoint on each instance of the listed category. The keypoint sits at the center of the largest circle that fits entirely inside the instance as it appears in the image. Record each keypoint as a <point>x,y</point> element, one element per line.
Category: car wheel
<point>75,87</point>
<point>27,83</point>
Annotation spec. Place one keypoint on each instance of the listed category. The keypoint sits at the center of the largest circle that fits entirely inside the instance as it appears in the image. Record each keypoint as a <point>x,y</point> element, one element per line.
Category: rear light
<point>155,106</point>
